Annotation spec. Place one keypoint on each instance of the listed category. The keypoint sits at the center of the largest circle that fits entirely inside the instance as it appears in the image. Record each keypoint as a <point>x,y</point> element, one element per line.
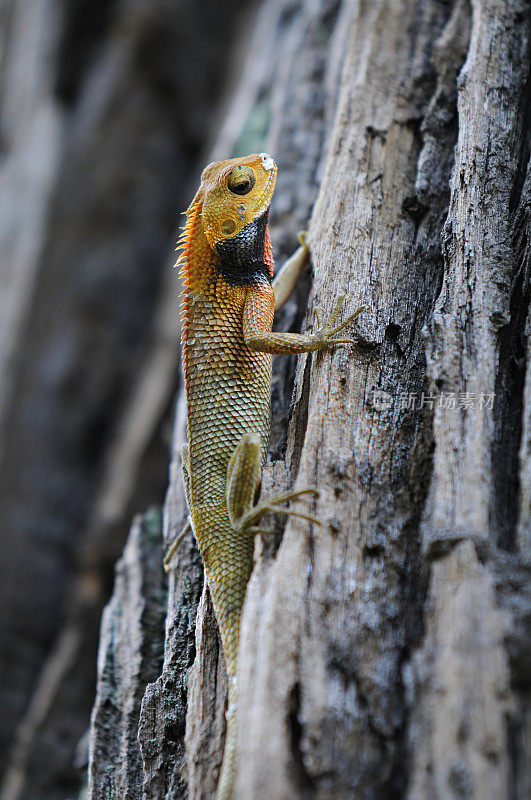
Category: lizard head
<point>235,194</point>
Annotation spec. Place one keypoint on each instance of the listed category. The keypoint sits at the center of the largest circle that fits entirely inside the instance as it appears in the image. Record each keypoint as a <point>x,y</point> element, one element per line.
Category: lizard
<point>228,301</point>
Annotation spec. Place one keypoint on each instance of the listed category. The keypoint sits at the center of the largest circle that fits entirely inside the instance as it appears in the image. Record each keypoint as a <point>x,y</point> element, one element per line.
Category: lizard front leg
<point>258,320</point>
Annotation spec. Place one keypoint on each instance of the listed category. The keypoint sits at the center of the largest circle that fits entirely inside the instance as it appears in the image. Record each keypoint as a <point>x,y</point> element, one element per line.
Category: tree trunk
<point>384,653</point>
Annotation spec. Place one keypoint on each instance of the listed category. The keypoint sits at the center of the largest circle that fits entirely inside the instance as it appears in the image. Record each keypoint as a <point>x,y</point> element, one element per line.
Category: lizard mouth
<point>266,195</point>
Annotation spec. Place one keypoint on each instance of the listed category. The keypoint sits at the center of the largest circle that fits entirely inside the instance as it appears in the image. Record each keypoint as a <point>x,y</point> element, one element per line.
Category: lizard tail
<point>228,559</point>
<point>228,771</point>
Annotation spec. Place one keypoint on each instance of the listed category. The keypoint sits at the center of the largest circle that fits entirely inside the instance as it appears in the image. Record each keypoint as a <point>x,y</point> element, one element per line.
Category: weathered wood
<point>473,320</point>
<point>462,702</point>
<point>353,680</point>
<point>164,708</point>
<point>130,656</point>
<point>384,654</point>
<point>467,710</point>
<point>329,621</point>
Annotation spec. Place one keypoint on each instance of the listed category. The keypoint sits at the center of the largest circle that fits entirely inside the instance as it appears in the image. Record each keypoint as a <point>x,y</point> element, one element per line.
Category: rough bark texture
<point>131,647</point>
<point>384,654</point>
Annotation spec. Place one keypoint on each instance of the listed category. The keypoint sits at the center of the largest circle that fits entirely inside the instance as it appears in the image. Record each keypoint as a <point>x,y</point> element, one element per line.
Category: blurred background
<point>108,110</point>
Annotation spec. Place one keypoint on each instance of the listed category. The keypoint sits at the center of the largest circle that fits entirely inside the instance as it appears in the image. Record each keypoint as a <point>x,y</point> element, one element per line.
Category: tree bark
<point>374,653</point>
<point>384,653</point>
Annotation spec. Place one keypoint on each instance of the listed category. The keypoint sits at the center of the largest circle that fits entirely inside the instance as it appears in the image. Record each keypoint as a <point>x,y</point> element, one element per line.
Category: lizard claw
<point>348,320</point>
<point>318,311</point>
<point>337,308</point>
<point>323,335</point>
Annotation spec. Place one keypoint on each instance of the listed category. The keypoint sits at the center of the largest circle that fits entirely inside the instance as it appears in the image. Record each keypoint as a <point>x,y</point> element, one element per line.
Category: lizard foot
<point>248,521</point>
<point>323,335</point>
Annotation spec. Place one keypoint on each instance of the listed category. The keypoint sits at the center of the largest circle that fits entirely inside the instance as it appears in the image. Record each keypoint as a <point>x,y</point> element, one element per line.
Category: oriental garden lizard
<point>228,302</point>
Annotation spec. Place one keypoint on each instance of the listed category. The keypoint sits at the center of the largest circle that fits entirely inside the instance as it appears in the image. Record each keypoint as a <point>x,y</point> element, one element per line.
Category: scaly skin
<point>227,314</point>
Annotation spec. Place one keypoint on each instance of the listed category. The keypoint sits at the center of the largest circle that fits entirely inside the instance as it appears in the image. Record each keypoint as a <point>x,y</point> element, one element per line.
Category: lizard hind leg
<point>244,474</point>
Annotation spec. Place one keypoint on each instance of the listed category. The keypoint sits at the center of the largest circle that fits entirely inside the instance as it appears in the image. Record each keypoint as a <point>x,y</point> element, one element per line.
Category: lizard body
<point>227,344</point>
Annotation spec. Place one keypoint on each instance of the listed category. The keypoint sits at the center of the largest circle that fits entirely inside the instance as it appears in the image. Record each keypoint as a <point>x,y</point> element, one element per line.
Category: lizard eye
<point>241,180</point>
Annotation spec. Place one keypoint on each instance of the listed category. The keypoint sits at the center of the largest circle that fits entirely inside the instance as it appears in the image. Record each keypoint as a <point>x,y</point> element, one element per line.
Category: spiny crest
<point>183,243</point>
<point>184,240</point>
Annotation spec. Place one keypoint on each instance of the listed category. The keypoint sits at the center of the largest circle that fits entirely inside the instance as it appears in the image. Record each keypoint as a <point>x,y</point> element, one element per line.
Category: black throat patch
<point>241,259</point>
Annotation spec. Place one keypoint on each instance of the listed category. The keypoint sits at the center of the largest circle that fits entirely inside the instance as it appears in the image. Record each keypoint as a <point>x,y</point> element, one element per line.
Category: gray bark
<point>375,657</point>
<point>384,654</point>
<point>130,657</point>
